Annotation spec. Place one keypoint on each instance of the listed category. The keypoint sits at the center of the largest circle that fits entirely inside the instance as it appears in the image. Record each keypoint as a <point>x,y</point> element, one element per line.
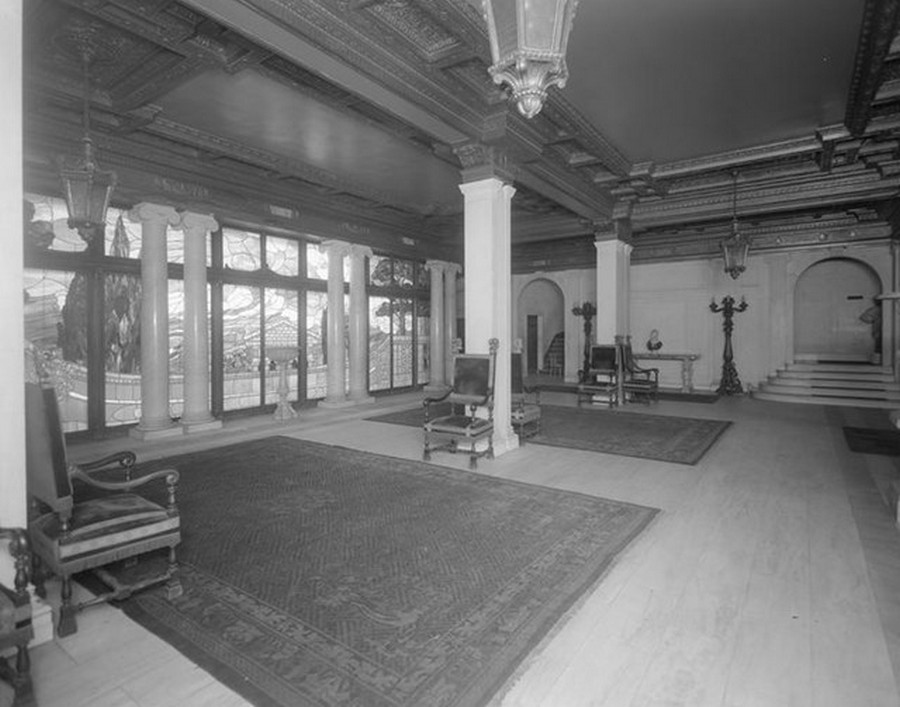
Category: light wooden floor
<point>771,578</point>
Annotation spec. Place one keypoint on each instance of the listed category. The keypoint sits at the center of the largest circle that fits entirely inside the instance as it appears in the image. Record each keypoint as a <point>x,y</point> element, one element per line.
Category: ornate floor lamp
<point>587,311</point>
<point>730,383</point>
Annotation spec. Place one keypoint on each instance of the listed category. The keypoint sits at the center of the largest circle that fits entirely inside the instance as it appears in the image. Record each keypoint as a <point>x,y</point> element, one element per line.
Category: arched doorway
<point>542,326</point>
<point>829,299</point>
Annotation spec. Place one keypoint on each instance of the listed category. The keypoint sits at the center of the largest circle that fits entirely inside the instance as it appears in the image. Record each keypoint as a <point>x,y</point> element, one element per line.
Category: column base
<point>156,432</point>
<point>284,412</point>
<point>203,425</point>
<point>335,403</point>
<point>505,441</point>
<point>363,400</point>
<point>41,621</point>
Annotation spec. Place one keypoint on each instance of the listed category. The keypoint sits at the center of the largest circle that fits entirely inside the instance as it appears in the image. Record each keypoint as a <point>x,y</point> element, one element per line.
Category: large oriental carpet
<point>683,440</point>
<point>318,575</point>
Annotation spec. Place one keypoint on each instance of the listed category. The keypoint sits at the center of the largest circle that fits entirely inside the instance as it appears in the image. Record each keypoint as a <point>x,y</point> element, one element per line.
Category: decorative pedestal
<point>282,356</point>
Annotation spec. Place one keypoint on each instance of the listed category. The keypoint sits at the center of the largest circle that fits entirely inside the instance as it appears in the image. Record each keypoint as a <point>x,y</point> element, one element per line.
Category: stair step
<point>848,392</point>
<point>835,383</point>
<point>839,367</point>
<point>836,375</point>
<point>824,400</point>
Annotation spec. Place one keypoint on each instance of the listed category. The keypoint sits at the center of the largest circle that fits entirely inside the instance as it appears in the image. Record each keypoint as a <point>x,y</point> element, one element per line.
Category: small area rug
<point>319,575</point>
<point>873,441</point>
<point>683,440</point>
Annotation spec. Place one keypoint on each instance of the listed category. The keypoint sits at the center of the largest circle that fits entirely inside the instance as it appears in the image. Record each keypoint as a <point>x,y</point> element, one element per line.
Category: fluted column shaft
<point>436,367</point>
<point>155,419</point>
<point>359,321</point>
<point>196,415</point>
<point>335,395</point>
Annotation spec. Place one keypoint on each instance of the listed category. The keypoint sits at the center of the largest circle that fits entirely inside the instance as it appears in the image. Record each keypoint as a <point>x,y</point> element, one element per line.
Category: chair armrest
<point>170,476</point>
<point>127,485</point>
<point>123,459</point>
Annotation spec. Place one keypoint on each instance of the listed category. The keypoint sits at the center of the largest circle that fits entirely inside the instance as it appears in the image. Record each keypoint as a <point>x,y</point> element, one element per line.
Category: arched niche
<point>540,318</point>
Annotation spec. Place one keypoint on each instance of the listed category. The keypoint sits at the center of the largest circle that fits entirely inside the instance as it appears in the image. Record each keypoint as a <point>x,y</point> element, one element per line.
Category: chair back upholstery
<point>473,377</point>
<point>604,358</point>
<point>45,445</point>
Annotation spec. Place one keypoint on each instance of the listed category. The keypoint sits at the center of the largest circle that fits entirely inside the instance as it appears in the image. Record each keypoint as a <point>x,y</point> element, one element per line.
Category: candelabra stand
<point>730,383</point>
<point>587,311</point>
<point>282,356</point>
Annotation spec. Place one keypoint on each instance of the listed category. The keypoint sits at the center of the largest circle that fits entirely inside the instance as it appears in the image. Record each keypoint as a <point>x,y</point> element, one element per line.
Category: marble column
<point>451,270</point>
<point>359,325</point>
<point>336,392</point>
<point>196,416</point>
<point>438,373</point>
<point>155,418</point>
<point>488,268</point>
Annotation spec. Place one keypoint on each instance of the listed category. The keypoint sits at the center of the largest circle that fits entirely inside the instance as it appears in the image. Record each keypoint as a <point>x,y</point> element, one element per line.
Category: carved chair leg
<point>67,625</point>
<point>173,583</point>
<point>39,576</point>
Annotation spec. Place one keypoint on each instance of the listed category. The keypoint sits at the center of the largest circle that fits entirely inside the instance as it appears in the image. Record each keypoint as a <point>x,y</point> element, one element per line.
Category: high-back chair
<point>525,414</point>
<point>16,630</point>
<point>70,534</point>
<point>471,416</point>
<point>603,375</point>
<point>638,383</point>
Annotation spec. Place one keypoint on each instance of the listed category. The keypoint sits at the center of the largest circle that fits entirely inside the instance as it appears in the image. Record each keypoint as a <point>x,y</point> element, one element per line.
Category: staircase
<point>853,385</point>
<point>555,357</point>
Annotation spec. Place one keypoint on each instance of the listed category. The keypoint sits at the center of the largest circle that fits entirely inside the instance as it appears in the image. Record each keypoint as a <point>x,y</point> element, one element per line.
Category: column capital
<point>603,245</point>
<point>489,186</point>
<point>359,251</point>
<point>146,212</point>
<point>330,246</point>
<point>191,221</point>
<point>480,161</point>
<point>443,266</point>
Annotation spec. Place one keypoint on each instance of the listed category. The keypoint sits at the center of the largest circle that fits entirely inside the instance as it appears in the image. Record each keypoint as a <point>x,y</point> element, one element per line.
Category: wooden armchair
<point>603,375</point>
<point>70,534</point>
<point>471,392</point>
<point>16,630</point>
<point>638,383</point>
<point>526,402</point>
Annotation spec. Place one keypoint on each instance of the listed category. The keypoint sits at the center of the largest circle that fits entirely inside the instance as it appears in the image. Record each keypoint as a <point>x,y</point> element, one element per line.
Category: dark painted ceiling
<point>354,118</point>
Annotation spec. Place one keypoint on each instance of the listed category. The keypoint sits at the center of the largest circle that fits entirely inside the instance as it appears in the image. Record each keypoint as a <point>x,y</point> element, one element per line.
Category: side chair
<point>638,383</point>
<point>603,375</point>
<point>16,630</point>
<point>526,402</point>
<point>71,533</point>
<point>471,416</point>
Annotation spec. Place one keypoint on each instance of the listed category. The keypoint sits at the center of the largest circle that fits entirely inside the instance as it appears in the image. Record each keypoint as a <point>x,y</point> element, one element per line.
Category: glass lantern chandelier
<point>736,248</point>
<point>528,47</point>
<point>87,188</point>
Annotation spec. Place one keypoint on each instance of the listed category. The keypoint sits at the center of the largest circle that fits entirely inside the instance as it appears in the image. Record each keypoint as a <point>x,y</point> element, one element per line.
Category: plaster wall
<point>674,298</point>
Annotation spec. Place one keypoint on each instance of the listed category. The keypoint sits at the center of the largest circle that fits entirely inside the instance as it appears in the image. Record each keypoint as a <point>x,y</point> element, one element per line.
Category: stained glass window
<point>241,249</point>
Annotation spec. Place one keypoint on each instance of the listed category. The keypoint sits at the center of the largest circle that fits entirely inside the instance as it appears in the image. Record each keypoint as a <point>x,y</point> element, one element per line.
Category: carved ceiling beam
<point>318,36</point>
<point>879,29</point>
<point>824,190</point>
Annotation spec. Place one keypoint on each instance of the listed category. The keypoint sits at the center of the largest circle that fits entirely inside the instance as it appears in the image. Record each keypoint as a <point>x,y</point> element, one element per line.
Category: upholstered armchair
<point>471,416</point>
<point>16,630</point>
<point>87,516</point>
<point>525,402</point>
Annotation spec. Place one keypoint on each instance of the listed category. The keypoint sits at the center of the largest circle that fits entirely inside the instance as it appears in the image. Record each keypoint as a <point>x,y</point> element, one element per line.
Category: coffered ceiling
<point>353,118</point>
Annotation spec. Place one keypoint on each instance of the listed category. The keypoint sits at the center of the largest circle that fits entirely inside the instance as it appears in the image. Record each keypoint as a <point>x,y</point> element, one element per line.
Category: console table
<point>687,365</point>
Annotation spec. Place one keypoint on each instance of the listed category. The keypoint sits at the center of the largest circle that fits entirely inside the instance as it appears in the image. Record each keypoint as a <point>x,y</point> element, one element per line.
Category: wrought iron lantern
<point>736,248</point>
<point>528,47</point>
<point>87,188</point>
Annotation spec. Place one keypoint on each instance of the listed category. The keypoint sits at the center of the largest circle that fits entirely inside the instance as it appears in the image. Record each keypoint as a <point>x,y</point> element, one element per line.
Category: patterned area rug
<point>873,441</point>
<point>683,440</point>
<point>318,575</point>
